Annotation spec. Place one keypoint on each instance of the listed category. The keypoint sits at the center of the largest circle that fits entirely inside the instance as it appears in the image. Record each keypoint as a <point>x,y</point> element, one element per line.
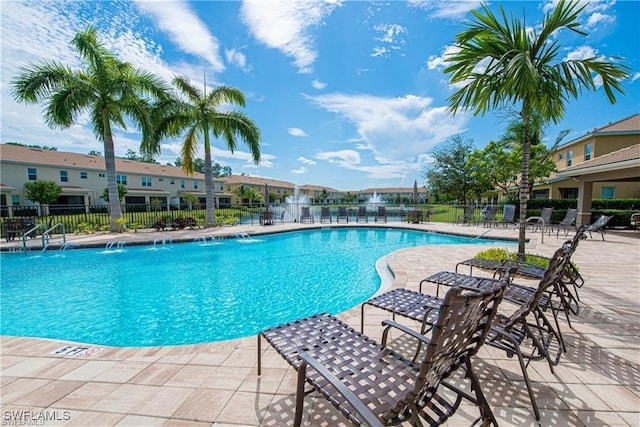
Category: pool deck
<point>597,382</point>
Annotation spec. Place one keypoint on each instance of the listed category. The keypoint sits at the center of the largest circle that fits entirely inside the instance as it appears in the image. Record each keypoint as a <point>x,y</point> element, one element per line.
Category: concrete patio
<point>597,382</point>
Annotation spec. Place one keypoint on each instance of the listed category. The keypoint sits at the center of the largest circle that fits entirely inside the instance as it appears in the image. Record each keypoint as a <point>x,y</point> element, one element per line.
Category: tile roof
<point>627,125</point>
<point>36,156</point>
<point>619,156</point>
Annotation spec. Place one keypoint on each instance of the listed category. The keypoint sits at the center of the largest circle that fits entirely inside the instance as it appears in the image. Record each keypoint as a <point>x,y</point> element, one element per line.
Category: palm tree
<point>199,117</point>
<point>502,64</point>
<point>105,87</point>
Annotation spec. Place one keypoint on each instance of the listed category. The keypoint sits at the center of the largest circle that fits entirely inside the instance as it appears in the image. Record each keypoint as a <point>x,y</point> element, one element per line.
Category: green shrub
<point>499,254</point>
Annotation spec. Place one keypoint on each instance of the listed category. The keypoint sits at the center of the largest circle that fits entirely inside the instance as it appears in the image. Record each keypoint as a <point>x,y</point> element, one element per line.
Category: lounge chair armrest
<point>392,324</point>
<point>363,410</point>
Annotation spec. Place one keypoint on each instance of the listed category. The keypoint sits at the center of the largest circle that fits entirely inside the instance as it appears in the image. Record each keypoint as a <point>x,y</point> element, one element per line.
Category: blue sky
<point>348,95</point>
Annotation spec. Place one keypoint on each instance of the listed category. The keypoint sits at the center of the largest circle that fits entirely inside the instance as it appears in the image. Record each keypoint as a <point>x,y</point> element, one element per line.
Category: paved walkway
<point>596,383</point>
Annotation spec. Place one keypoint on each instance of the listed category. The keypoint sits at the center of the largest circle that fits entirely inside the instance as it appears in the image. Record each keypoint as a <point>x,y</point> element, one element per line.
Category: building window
<point>569,158</point>
<point>195,185</point>
<point>587,152</point>
<point>160,179</point>
<point>608,193</point>
<point>121,179</point>
<point>83,175</point>
<point>173,181</point>
<point>560,156</point>
<point>31,173</point>
<point>15,200</point>
<point>182,183</point>
<point>101,175</point>
<point>146,181</point>
<point>64,176</point>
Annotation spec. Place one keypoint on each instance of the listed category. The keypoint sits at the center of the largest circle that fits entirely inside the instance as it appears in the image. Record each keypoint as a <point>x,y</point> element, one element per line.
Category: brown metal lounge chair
<point>599,225</point>
<point>508,215</point>
<point>468,216</point>
<point>362,214</point>
<point>325,215</point>
<point>342,214</point>
<point>381,216</point>
<point>488,215</point>
<point>567,223</point>
<point>371,383</point>
<point>306,216</point>
<point>543,221</point>
<point>512,332</point>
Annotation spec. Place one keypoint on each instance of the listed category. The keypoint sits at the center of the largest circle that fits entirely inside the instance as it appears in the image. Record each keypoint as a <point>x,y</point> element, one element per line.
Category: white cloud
<point>392,35</point>
<point>306,161</point>
<point>599,18</point>
<point>317,84</point>
<point>342,157</point>
<point>398,127</point>
<point>634,77</point>
<point>288,26</point>
<point>446,9</point>
<point>380,51</point>
<point>439,62</point>
<point>237,58</point>
<point>300,171</point>
<point>185,29</point>
<point>580,53</point>
<point>297,132</point>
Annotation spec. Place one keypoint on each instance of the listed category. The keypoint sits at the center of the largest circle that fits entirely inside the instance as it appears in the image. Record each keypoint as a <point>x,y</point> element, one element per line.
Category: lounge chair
<point>306,216</point>
<point>567,223</point>
<point>325,215</point>
<point>543,221</point>
<point>373,383</point>
<point>558,299</point>
<point>381,216</point>
<point>342,214</point>
<point>362,214</point>
<point>599,225</point>
<point>468,216</point>
<point>635,220</point>
<point>508,215</point>
<point>508,332</point>
<point>488,215</point>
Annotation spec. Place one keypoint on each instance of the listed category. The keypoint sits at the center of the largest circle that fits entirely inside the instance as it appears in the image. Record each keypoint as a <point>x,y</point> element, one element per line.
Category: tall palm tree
<point>200,116</point>
<point>106,88</point>
<point>502,63</point>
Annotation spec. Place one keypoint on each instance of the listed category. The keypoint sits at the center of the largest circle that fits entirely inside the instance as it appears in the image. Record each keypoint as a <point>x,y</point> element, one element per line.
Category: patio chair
<point>508,215</point>
<point>325,214</point>
<point>510,333</point>
<point>543,221</point>
<point>381,216</point>
<point>635,220</point>
<point>362,214</point>
<point>467,216</point>
<point>489,215</point>
<point>373,383</point>
<point>306,216</point>
<point>567,223</point>
<point>559,298</point>
<point>342,214</point>
<point>599,225</point>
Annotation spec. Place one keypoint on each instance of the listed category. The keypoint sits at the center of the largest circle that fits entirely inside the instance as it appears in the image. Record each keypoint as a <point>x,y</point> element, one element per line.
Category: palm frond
<point>189,90</point>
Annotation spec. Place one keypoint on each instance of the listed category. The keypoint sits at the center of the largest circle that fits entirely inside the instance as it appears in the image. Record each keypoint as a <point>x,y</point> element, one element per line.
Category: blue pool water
<point>194,292</point>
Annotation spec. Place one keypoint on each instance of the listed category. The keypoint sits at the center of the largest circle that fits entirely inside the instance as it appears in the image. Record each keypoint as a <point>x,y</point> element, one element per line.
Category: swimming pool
<point>195,292</point>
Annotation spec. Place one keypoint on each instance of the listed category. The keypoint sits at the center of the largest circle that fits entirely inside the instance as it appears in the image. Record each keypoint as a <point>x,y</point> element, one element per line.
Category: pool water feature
<point>193,293</point>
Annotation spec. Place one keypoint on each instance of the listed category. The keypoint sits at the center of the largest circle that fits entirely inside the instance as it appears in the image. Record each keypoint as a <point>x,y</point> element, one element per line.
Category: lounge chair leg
<point>300,394</point>
<point>259,355</point>
<point>485,409</point>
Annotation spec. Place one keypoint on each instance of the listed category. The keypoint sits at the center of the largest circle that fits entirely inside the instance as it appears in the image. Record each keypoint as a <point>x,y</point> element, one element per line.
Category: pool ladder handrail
<point>29,233</point>
<point>46,236</point>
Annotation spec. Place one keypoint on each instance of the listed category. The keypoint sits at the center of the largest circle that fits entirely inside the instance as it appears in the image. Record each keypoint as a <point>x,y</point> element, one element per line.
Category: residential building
<point>83,179</point>
<point>575,154</point>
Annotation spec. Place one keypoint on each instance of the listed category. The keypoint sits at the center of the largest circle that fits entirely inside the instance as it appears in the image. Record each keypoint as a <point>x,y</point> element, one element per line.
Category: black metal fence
<point>94,218</point>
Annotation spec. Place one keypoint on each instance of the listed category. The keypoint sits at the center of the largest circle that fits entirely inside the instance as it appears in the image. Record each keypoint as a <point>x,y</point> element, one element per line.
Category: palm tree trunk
<point>112,187</point>
<point>210,215</point>
<point>524,181</point>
